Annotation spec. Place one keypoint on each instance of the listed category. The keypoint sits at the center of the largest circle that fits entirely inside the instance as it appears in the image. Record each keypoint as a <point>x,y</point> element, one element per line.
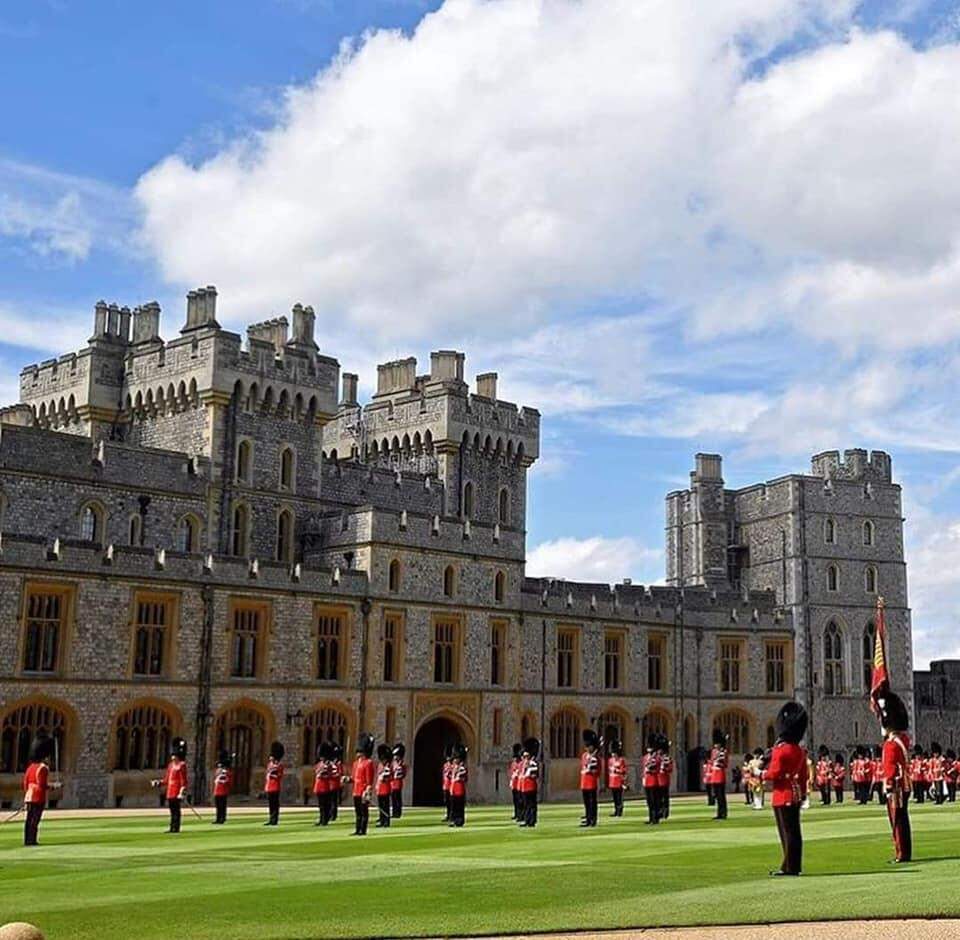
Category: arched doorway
<point>242,730</point>
<point>429,746</point>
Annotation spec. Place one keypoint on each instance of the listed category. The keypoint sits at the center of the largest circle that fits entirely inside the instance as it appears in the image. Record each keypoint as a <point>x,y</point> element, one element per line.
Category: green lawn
<point>110,878</point>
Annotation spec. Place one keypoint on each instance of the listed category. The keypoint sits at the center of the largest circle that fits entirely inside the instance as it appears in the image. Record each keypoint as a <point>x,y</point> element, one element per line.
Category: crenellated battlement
<point>855,465</point>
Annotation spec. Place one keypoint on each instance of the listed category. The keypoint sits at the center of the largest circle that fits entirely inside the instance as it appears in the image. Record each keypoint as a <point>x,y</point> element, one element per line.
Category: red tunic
<point>824,768</point>
<point>717,772</point>
<point>876,770</point>
<point>935,769</point>
<point>514,771</point>
<point>321,777</point>
<point>384,772</point>
<point>651,770</point>
<point>787,772</point>
<point>589,771</point>
<point>616,772</point>
<point>399,773</point>
<point>529,775</point>
<point>839,773</point>
<point>336,776</point>
<point>35,783</point>
<point>362,775</point>
<point>447,766</point>
<point>858,770</point>
<point>458,780</point>
<point>274,777</point>
<point>894,766</point>
<point>175,779</point>
<point>665,770</point>
<point>222,781</point>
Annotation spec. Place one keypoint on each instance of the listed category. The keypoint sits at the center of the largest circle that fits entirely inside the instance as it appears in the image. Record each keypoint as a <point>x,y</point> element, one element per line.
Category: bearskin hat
<point>383,752</point>
<point>616,748</point>
<point>517,750</point>
<point>950,754</point>
<point>838,758</point>
<point>532,747</point>
<point>893,713</point>
<point>460,753</point>
<point>917,751</point>
<point>758,752</point>
<point>590,738</point>
<point>41,748</point>
<point>877,751</point>
<point>178,747</point>
<point>324,750</point>
<point>399,751</point>
<point>748,756</point>
<point>365,744</point>
<point>336,752</point>
<point>225,759</point>
<point>719,737</point>
<point>277,750</point>
<point>653,741</point>
<point>935,748</point>
<point>791,723</point>
<point>823,751</point>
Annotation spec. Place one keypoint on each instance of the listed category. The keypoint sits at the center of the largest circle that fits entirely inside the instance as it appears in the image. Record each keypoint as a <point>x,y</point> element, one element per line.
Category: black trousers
<point>361,809</point>
<point>825,795</point>
<point>517,805</point>
<point>653,804</point>
<point>273,805</point>
<point>323,808</point>
<point>396,803</point>
<point>383,805</point>
<point>617,794</point>
<point>939,795</point>
<point>900,828</point>
<point>446,806</point>
<point>31,825</point>
<point>220,804</point>
<point>335,796</point>
<point>711,798</point>
<point>664,802</point>
<point>952,791</point>
<point>589,806</point>
<point>838,794</point>
<point>720,796</point>
<point>791,838</point>
<point>458,809</point>
<point>878,789</point>
<point>530,809</point>
<point>174,807</point>
<point>918,793</point>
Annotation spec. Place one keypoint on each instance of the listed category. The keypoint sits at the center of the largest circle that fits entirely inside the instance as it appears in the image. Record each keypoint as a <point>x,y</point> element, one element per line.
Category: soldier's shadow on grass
<point>890,870</point>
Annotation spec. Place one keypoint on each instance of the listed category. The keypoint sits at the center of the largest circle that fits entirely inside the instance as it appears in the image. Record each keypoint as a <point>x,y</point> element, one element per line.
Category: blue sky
<point>670,227</point>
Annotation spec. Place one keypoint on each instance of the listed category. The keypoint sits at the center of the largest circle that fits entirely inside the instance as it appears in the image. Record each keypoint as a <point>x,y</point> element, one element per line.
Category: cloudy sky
<point>670,225</point>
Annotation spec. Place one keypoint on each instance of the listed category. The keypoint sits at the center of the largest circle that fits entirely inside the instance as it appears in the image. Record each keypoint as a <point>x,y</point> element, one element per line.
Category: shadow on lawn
<point>888,870</point>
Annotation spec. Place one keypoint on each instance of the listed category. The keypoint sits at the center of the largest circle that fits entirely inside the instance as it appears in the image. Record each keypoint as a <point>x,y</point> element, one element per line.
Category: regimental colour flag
<point>880,680</point>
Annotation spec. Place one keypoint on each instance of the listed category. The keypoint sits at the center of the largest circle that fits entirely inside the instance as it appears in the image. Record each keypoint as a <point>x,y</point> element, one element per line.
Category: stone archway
<point>432,739</point>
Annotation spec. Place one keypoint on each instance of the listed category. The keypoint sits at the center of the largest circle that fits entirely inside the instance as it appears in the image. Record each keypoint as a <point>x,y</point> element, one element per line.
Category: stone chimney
<point>446,364</point>
<point>487,385</point>
<point>146,323</point>
<point>273,332</point>
<point>201,309</point>
<point>303,324</point>
<point>100,319</point>
<point>349,396</point>
<point>396,376</point>
<point>124,331</point>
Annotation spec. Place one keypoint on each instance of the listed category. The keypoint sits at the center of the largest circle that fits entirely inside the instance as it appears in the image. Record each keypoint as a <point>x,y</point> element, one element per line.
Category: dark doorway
<point>694,770</point>
<point>431,743</point>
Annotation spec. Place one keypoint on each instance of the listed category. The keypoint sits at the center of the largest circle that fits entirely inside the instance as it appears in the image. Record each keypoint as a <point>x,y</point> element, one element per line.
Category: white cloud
<point>608,560</point>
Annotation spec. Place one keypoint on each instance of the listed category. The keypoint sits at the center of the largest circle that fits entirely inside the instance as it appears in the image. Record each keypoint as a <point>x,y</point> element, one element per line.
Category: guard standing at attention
<point>396,780</point>
<point>838,774</point>
<point>895,771</point>
<point>530,782</point>
<point>362,774</point>
<point>384,775</point>
<point>222,785</point>
<point>514,772</point>
<point>664,775</point>
<point>174,781</point>
<point>589,777</point>
<point>651,778</point>
<point>918,774</point>
<point>458,786</point>
<point>718,772</point>
<point>616,776</point>
<point>36,783</point>
<point>322,770</point>
<point>787,772</point>
<point>935,774</point>
<point>824,774</point>
<point>273,783</point>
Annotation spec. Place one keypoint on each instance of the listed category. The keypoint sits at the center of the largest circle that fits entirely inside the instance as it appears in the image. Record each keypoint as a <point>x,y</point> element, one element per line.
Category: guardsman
<point>746,778</point>
<point>273,783</point>
<point>650,769</point>
<point>935,774</point>
<point>787,771</point>
<point>445,771</point>
<point>838,775</point>
<point>718,772</point>
<point>756,779</point>
<point>174,781</point>
<point>858,775</point>
<point>36,784</point>
<point>951,771</point>
<point>322,771</point>
<point>384,775</point>
<point>589,777</point>
<point>895,771</point>
<point>617,776</point>
<point>362,774</point>
<point>337,780</point>
<point>876,766</point>
<point>664,776</point>
<point>458,786</point>
<point>396,780</point>
<point>514,771</point>
<point>530,782</point>
<point>222,785</point>
<point>705,776</point>
<point>918,774</point>
<point>824,774</point>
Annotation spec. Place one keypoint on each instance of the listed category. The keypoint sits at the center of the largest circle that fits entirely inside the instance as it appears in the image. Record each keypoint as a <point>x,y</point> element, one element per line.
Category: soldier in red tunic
<point>362,774</point>
<point>445,781</point>
<point>396,780</point>
<point>384,773</point>
<point>664,775</point>
<point>322,772</point>
<point>938,792</point>
<point>951,771</point>
<point>530,782</point>
<point>458,786</point>
<point>718,772</point>
<point>589,777</point>
<point>918,774</point>
<point>273,783</point>
<point>174,781</point>
<point>514,772</point>
<point>705,775</point>
<point>617,776</point>
<point>876,770</point>
<point>824,774</point>
<point>336,780</point>
<point>895,772</point>
<point>222,785</point>
<point>858,775</point>
<point>786,770</point>
<point>650,770</point>
<point>36,784</point>
<point>838,774</point>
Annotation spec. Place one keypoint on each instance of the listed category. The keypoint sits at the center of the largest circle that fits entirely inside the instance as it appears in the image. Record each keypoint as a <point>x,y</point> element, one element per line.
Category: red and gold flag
<point>880,679</point>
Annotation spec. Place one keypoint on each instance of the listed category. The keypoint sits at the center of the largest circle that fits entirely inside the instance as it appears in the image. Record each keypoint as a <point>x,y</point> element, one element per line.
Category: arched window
<point>19,729</point>
<point>142,738</point>
<point>499,587</point>
<point>242,730</point>
<point>869,642</point>
<point>244,461</point>
<point>564,734</point>
<point>91,523</point>
<point>830,531</point>
<point>653,722</point>
<point>287,469</point>
<point>135,530</point>
<point>187,534</point>
<point>467,501</point>
<point>735,725</point>
<point>285,536</point>
<point>870,579</point>
<point>241,528</point>
<point>613,726</point>
<point>528,726</point>
<point>393,576</point>
<point>449,581</point>
<point>833,578</point>
<point>503,507</point>
<point>323,724</point>
<point>868,532</point>
<point>832,660</point>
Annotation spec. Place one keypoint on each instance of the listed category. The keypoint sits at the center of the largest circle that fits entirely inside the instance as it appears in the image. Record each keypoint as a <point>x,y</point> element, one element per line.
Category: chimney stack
<point>146,323</point>
<point>304,320</point>
<point>201,309</point>
<point>349,389</point>
<point>487,385</point>
<point>100,319</point>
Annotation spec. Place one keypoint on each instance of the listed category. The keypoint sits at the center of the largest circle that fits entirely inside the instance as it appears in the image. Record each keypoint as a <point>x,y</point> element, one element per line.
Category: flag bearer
<point>399,774</point>
<point>530,782</point>
<point>222,785</point>
<point>36,784</point>
<point>589,777</point>
<point>617,776</point>
<point>273,783</point>
<point>787,772</point>
<point>895,772</point>
<point>362,774</point>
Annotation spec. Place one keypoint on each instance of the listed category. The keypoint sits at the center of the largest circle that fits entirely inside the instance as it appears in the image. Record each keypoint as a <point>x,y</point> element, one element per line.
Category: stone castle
<point>216,539</point>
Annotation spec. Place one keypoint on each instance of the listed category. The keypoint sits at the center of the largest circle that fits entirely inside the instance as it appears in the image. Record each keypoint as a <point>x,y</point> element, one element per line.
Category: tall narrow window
<point>247,641</point>
<point>566,658</point>
<point>503,507</point>
<point>152,625</point>
<point>499,586</point>
<point>776,663</point>
<point>91,524</point>
<point>187,531</point>
<point>870,579</point>
<point>444,651</point>
<point>468,501</point>
<point>564,734</point>
<point>832,660</point>
<point>390,724</point>
<point>449,581</point>
<point>731,655</point>
<point>142,739</point>
<point>393,576</point>
<point>830,532</point>
<point>44,629</point>
<point>241,528</point>
<point>392,627</point>
<point>135,530</point>
<point>868,533</point>
<point>330,638</point>
<point>498,633</point>
<point>656,653</point>
<point>245,462</point>
<point>869,644</point>
<point>286,469</point>
<point>497,727</point>
<point>612,660</point>
<point>285,536</point>
<point>736,727</point>
<point>833,578</point>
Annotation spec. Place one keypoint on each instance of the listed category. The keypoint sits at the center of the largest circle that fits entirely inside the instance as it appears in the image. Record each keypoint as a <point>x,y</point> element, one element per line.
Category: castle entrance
<point>433,739</point>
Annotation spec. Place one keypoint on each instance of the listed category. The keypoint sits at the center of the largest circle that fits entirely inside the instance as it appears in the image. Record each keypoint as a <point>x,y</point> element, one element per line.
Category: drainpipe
<point>366,605</point>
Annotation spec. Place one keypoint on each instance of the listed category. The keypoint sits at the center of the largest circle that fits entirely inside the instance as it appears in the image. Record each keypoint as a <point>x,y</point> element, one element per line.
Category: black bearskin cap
<point>41,748</point>
<point>877,751</point>
<point>935,748</point>
<point>748,756</point>
<point>823,751</point>
<point>838,758</point>
<point>719,738</point>
<point>517,750</point>
<point>616,748</point>
<point>324,750</point>
<point>178,747</point>
<point>277,750</point>
<point>383,752</point>
<point>460,753</point>
<point>590,738</point>
<point>225,759</point>
<point>365,744</point>
<point>917,750</point>
<point>893,713</point>
<point>336,752</point>
<point>532,747</point>
<point>399,751</point>
<point>791,723</point>
<point>950,754</point>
